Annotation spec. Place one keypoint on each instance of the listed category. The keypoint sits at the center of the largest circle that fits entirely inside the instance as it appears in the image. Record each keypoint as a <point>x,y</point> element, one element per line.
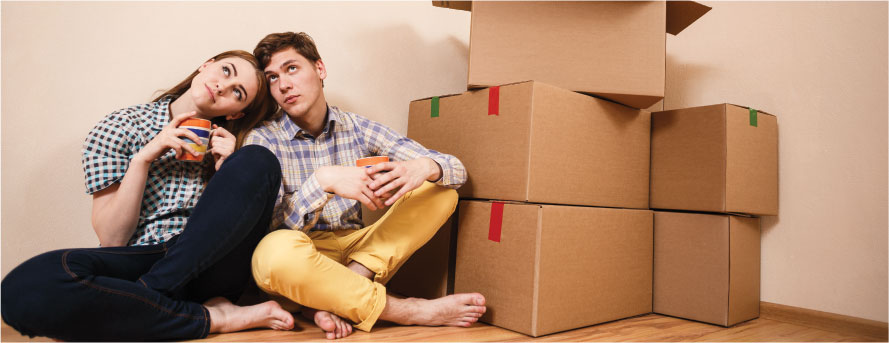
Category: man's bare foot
<point>228,317</point>
<point>454,310</point>
<point>334,327</point>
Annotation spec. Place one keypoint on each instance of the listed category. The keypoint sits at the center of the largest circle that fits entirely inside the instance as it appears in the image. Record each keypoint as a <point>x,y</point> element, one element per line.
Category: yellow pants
<point>311,271</point>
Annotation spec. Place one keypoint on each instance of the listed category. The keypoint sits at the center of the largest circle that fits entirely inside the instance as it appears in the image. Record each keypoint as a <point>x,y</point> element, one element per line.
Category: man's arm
<point>299,210</point>
<point>412,163</point>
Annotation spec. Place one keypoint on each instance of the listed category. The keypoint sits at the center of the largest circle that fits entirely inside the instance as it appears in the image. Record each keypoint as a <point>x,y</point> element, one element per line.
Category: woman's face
<point>223,87</point>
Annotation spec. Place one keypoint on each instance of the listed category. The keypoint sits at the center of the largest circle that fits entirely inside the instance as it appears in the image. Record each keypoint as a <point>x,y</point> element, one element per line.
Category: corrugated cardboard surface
<point>503,272</point>
<point>706,267</point>
<point>592,265</point>
<point>490,147</point>
<point>744,264</point>
<point>428,274</point>
<point>711,159</point>
<point>688,159</point>
<point>601,48</point>
<point>595,266</point>
<point>587,151</point>
<point>524,153</point>
<point>751,184</point>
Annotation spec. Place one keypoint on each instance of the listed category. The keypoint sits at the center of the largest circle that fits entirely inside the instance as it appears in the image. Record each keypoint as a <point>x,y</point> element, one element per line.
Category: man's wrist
<point>436,172</point>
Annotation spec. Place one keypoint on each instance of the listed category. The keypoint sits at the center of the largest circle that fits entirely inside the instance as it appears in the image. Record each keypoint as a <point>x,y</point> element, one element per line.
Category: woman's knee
<point>30,289</point>
<point>257,159</point>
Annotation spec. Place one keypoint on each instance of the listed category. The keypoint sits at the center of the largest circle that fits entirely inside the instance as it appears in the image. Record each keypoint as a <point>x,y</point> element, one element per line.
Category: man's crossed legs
<point>342,273</point>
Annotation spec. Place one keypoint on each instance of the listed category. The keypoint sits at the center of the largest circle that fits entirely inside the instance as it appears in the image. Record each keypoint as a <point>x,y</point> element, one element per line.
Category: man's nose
<point>284,84</point>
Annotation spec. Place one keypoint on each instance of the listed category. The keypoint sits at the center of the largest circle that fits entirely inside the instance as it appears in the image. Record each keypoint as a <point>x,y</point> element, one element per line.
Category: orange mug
<point>369,161</point>
<point>200,127</point>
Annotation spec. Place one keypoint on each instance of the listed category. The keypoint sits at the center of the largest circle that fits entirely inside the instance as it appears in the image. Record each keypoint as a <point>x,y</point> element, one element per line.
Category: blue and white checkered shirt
<point>173,187</point>
<point>346,137</point>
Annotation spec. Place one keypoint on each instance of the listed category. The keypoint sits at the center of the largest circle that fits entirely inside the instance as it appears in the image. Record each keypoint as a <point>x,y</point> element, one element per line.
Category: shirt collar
<point>162,111</point>
<point>294,131</point>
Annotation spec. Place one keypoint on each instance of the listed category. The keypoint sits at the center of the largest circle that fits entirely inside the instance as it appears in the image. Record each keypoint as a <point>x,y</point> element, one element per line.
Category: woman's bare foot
<point>228,317</point>
<point>453,310</point>
<point>334,327</point>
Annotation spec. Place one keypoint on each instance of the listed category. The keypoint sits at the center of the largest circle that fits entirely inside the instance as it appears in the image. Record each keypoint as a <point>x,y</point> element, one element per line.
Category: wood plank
<point>646,328</point>
<point>825,321</point>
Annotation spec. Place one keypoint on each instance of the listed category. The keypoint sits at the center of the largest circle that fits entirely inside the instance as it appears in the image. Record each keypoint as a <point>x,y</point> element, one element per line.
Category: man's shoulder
<point>351,120</point>
<point>268,127</point>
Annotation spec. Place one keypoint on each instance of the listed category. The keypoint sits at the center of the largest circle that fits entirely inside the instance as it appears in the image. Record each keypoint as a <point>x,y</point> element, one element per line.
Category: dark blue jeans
<point>152,292</point>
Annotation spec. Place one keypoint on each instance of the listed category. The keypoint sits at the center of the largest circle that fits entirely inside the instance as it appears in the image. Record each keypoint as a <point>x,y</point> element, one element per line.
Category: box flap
<point>502,271</point>
<point>456,5</point>
<point>691,266</point>
<point>680,14</point>
<point>744,265</point>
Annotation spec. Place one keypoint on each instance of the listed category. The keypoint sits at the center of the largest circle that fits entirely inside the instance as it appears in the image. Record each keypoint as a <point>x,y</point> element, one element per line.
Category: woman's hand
<point>169,138</point>
<point>222,144</point>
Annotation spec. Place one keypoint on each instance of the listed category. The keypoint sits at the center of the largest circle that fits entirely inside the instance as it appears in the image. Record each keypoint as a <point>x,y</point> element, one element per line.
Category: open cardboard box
<point>612,49</point>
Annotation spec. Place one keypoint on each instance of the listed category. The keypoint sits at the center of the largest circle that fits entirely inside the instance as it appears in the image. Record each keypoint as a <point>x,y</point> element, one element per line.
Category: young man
<point>326,260</point>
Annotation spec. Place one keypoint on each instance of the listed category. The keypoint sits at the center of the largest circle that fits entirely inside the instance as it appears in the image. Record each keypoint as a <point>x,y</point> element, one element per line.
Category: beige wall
<point>821,67</point>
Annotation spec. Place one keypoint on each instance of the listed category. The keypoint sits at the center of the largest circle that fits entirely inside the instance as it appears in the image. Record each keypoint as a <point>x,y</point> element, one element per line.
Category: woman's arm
<point>116,208</point>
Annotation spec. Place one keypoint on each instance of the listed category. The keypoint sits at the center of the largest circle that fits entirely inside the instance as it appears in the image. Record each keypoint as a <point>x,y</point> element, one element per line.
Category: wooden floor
<point>650,328</point>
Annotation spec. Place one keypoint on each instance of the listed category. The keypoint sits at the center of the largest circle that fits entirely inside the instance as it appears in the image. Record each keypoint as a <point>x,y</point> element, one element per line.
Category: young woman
<point>170,265</point>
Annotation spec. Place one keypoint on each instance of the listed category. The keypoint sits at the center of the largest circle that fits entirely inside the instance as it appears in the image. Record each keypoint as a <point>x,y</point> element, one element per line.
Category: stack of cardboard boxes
<point>554,225</point>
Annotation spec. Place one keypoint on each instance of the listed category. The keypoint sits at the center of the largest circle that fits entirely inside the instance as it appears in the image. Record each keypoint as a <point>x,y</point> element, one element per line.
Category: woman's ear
<point>204,66</point>
<point>238,115</point>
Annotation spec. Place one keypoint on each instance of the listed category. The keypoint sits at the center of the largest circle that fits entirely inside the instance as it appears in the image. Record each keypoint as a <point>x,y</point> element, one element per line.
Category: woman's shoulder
<point>139,114</point>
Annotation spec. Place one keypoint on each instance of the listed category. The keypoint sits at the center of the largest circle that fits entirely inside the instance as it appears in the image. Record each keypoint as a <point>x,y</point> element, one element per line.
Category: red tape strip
<point>496,221</point>
<point>494,101</point>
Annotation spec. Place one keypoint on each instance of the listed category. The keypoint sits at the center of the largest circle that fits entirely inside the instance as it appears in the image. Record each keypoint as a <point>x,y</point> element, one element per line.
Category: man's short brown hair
<point>275,42</point>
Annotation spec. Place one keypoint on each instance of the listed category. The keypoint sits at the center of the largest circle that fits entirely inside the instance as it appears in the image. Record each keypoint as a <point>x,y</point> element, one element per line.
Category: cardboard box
<point>706,267</point>
<point>615,50</point>
<point>545,144</point>
<point>719,158</point>
<point>551,268</point>
<point>429,273</point>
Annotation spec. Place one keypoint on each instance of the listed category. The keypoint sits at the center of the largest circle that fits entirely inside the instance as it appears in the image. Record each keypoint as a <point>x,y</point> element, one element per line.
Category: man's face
<point>295,82</point>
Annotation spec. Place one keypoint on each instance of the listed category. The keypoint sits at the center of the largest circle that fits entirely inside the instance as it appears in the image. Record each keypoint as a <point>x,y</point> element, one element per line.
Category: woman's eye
<point>225,70</point>
<point>291,68</point>
<point>238,93</point>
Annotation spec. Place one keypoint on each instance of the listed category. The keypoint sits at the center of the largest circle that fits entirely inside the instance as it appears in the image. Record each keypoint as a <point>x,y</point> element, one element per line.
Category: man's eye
<point>225,70</point>
<point>291,68</point>
<point>273,78</point>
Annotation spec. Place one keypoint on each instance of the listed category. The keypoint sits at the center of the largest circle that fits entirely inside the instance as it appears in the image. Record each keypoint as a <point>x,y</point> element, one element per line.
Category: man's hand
<point>349,182</point>
<point>406,176</point>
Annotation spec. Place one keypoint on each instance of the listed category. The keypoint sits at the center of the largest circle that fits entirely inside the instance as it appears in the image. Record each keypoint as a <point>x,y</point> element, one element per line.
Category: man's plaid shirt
<point>172,188</point>
<point>345,138</point>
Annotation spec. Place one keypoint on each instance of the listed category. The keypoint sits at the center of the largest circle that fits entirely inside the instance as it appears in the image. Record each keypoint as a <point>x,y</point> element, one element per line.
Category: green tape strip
<point>752,117</point>
<point>435,107</point>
